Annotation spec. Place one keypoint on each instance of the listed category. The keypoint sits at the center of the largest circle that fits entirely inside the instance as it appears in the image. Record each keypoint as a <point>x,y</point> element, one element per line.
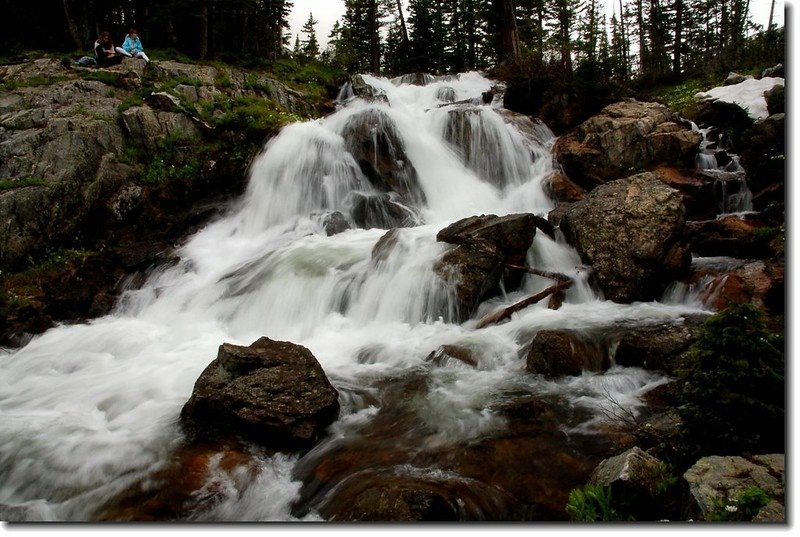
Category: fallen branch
<point>538,272</point>
<point>503,314</point>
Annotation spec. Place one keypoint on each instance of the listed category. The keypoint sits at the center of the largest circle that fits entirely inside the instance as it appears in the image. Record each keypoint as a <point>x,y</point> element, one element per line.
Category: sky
<point>329,11</point>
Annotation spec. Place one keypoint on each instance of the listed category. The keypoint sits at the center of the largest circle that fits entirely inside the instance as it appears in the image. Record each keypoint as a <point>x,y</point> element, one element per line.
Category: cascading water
<point>90,411</point>
<point>731,183</point>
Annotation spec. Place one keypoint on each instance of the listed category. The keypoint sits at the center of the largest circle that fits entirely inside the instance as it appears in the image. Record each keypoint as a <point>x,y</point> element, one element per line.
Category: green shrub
<point>174,160</point>
<point>255,117</point>
<point>591,503</point>
<point>732,400</point>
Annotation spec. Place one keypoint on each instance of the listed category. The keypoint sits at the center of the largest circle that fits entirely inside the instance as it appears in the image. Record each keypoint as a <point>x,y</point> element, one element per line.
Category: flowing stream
<point>89,411</point>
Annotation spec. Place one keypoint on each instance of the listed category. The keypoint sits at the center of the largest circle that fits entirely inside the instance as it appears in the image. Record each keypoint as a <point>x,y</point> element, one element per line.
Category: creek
<point>91,411</point>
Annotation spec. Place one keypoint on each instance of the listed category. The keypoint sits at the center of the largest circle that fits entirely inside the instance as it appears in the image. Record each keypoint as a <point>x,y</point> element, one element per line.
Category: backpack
<point>86,61</point>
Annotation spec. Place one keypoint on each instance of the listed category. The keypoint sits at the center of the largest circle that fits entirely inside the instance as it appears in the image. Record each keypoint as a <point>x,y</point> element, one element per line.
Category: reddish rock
<point>562,189</point>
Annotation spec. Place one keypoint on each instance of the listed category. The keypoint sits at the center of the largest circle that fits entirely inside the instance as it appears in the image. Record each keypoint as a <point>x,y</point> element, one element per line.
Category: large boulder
<point>729,237</point>
<point>764,158</point>
<point>657,347</point>
<point>758,282</point>
<point>556,353</point>
<point>716,483</point>
<point>698,189</point>
<point>405,494</point>
<point>472,269</point>
<point>273,392</point>
<point>631,232</point>
<point>625,138</point>
<point>634,478</point>
<point>484,245</point>
<point>375,143</point>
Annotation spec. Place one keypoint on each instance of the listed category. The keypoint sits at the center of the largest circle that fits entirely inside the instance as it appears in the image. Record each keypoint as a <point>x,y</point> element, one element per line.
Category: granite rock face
<point>631,232</point>
<point>625,138</point>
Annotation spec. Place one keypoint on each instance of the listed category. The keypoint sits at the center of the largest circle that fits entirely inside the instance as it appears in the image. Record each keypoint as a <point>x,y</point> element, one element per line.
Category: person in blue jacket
<point>132,46</point>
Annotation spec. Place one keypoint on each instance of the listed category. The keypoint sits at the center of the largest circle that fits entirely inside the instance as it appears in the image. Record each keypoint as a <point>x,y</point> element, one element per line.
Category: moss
<point>109,78</point>
<point>174,160</point>
<point>256,117</point>
<point>32,82</point>
<point>8,184</point>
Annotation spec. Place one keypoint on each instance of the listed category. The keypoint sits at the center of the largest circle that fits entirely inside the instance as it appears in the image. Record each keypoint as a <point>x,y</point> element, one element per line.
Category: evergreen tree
<point>310,46</point>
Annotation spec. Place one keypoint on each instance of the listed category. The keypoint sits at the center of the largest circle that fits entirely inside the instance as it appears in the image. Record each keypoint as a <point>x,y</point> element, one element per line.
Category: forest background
<point>636,42</point>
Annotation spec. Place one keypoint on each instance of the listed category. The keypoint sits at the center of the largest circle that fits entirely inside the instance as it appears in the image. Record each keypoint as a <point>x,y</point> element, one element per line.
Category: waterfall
<point>90,411</point>
<point>731,181</point>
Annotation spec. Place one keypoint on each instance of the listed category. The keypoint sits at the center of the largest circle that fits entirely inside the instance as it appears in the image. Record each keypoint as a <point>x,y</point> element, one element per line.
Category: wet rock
<point>273,392</point>
<point>512,234</point>
<point>371,137</point>
<point>472,270</point>
<point>625,138</point>
<point>730,237</point>
<point>383,248</point>
<point>775,71</point>
<point>658,347</point>
<point>364,90</point>
<point>380,211</point>
<point>763,156</point>
<point>335,223</point>
<point>562,189</point>
<point>717,481</point>
<point>494,242</point>
<point>759,282</point>
<point>697,189</point>
<point>631,232</point>
<point>449,354</point>
<point>406,494</point>
<point>556,353</point>
<point>446,94</point>
<point>415,79</point>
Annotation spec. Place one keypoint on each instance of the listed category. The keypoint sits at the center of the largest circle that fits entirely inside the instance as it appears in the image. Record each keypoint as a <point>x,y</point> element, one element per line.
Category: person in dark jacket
<point>104,51</point>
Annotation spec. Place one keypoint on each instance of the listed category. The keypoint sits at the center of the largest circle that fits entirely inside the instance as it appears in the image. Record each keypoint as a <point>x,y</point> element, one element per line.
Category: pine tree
<point>310,46</point>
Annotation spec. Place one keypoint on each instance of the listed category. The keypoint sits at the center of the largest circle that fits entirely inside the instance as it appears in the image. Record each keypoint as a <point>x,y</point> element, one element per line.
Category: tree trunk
<point>509,33</point>
<point>72,27</point>
<point>374,37</point>
<point>676,54</point>
<point>403,28</point>
<point>771,13</point>
<point>203,44</point>
<point>643,54</point>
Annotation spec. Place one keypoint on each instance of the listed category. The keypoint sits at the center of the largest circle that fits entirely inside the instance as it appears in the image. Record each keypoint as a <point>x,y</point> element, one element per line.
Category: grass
<point>256,116</point>
<point>8,184</point>
<point>32,82</point>
<point>106,77</point>
<point>680,97</point>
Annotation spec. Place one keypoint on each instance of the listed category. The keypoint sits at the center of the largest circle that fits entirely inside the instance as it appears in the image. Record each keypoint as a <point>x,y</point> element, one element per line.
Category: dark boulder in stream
<point>485,244</point>
<point>272,392</point>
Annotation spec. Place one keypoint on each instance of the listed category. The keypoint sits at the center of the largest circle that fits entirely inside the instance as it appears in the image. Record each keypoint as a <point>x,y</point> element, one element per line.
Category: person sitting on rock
<point>132,46</point>
<point>104,51</point>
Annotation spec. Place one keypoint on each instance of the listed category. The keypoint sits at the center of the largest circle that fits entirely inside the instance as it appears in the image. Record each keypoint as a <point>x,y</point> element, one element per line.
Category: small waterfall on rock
<point>90,412</point>
<point>731,182</point>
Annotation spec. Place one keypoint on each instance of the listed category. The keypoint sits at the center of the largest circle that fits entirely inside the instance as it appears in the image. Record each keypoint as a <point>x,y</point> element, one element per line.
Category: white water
<point>88,411</point>
<point>731,183</point>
